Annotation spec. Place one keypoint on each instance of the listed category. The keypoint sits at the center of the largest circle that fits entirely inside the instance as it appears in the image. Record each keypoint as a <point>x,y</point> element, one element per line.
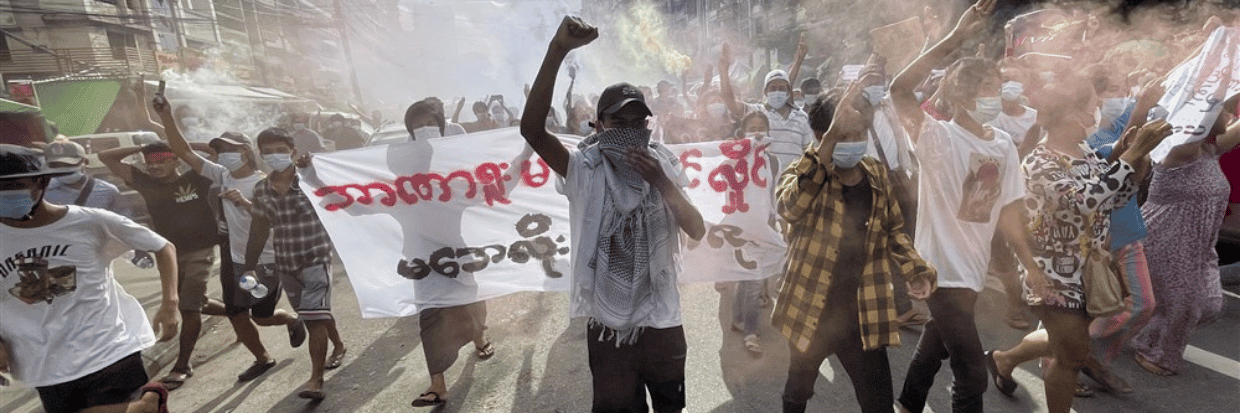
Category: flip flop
<point>1150,366</point>
<point>255,370</point>
<point>1005,385</point>
<point>1083,390</point>
<point>485,352</point>
<point>159,389</point>
<point>334,361</point>
<point>422,402</point>
<point>1107,381</point>
<point>175,379</point>
<point>315,395</point>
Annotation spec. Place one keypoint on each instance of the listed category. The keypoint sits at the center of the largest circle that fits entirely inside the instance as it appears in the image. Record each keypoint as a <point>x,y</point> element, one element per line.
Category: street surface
<point>540,364</point>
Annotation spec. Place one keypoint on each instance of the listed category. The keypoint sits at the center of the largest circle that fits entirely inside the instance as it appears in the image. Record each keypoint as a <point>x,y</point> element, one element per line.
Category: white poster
<point>472,217</point>
<point>1197,88</point>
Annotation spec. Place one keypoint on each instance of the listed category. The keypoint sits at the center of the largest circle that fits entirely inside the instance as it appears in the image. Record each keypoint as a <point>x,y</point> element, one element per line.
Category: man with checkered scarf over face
<point>626,208</point>
<point>846,248</point>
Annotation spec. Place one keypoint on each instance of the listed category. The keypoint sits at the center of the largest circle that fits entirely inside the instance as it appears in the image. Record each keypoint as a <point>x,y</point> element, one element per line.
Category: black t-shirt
<point>180,210</point>
<point>858,204</point>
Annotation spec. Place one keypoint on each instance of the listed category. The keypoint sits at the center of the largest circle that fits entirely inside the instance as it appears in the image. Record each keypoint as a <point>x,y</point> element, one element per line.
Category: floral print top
<point>1069,204</point>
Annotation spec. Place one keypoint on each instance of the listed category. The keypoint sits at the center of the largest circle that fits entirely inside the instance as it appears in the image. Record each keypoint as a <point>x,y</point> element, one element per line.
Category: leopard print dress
<point>1070,201</point>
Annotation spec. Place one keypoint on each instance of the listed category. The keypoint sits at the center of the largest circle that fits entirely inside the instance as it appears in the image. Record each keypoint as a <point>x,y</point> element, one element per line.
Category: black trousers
<point>622,374</point>
<point>951,334</point>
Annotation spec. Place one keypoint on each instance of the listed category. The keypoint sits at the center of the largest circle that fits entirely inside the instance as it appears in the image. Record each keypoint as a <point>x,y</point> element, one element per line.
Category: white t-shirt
<point>238,218</point>
<point>1016,126</point>
<point>789,136</point>
<point>964,182</point>
<point>584,186</point>
<point>450,129</point>
<point>76,319</point>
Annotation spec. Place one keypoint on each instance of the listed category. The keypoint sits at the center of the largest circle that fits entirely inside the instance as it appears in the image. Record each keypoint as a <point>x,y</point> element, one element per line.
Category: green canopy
<point>77,106</point>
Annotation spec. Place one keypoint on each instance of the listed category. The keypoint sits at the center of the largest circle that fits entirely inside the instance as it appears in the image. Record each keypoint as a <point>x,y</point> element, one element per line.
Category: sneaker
<point>297,333</point>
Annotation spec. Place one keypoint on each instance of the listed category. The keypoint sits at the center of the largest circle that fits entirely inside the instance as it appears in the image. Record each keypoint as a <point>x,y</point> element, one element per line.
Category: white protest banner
<point>459,219</point>
<point>1196,89</point>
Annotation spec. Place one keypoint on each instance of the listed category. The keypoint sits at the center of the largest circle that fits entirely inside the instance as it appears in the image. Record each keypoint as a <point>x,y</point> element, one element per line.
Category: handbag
<point>1103,288</point>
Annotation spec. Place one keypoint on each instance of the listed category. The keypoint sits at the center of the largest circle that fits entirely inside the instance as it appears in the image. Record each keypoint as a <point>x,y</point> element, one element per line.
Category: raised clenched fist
<point>574,33</point>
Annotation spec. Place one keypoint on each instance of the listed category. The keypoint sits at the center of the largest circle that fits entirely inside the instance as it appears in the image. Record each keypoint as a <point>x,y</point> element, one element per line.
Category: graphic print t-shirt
<point>180,210</point>
<point>964,182</point>
<point>62,313</point>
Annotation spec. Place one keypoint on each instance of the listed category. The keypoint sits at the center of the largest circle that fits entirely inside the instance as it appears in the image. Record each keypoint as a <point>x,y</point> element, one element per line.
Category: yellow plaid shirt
<point>809,198</point>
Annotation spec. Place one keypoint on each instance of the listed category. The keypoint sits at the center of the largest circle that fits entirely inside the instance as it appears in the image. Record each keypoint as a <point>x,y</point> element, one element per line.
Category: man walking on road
<point>626,207</point>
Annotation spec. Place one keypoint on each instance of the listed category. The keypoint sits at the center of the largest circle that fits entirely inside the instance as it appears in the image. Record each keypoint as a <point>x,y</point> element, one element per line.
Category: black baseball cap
<point>22,162</point>
<point>618,95</point>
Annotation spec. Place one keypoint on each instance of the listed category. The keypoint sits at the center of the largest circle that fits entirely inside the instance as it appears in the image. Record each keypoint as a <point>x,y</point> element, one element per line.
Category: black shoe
<point>297,333</point>
<point>255,370</point>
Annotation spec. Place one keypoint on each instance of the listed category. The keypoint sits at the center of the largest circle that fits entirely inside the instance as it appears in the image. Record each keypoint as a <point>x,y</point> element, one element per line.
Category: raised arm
<point>725,83</point>
<point>795,68</point>
<point>456,115</point>
<point>573,33</point>
<point>140,88</point>
<point>112,158</point>
<point>973,21</point>
<point>176,141</point>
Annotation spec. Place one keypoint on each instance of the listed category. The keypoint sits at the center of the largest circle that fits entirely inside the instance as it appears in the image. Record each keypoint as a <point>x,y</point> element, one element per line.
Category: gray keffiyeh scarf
<point>634,227</point>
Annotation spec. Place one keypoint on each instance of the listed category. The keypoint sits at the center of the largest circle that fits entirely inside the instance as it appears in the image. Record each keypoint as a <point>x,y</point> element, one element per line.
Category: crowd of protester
<point>898,195</point>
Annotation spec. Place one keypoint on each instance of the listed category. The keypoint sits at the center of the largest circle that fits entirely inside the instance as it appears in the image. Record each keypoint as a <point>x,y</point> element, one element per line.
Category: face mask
<point>1011,90</point>
<point>278,161</point>
<point>232,160</point>
<point>874,94</point>
<point>756,136</point>
<point>16,204</point>
<point>191,121</point>
<point>799,103</point>
<point>584,127</point>
<point>848,154</point>
<point>777,99</point>
<point>920,96</point>
<point>986,109</point>
<point>1112,108</point>
<point>71,179</point>
<point>716,110</point>
<point>426,133</point>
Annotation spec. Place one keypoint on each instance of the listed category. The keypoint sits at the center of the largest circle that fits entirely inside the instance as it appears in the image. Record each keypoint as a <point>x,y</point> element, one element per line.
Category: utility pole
<point>348,53</point>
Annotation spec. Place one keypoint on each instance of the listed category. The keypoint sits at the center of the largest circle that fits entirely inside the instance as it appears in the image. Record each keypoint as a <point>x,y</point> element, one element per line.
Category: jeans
<point>951,334</point>
<point>745,309</point>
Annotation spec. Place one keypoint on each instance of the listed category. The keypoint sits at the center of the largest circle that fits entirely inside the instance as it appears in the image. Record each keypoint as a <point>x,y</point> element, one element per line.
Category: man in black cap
<point>235,174</point>
<point>626,207</point>
<point>69,329</point>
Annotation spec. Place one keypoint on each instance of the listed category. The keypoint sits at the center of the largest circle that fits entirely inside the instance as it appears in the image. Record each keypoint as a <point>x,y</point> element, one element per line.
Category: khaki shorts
<point>193,271</point>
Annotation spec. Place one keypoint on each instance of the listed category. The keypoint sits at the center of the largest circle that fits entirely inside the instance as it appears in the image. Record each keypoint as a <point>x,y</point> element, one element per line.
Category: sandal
<point>1107,381</point>
<point>1017,321</point>
<point>485,352</point>
<point>255,370</point>
<point>422,401</point>
<point>175,379</point>
<point>1005,385</point>
<point>160,390</point>
<point>754,345</point>
<point>1150,366</point>
<point>334,361</point>
<point>1083,390</point>
<point>315,395</point>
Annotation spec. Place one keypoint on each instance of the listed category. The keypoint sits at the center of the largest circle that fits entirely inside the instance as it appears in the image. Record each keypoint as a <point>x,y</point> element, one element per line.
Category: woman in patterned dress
<point>1072,192</point>
<point>1187,199</point>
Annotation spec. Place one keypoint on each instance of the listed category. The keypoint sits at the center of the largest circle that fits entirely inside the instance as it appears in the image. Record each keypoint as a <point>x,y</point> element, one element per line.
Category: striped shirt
<point>810,198</point>
<point>789,135</point>
<point>299,238</point>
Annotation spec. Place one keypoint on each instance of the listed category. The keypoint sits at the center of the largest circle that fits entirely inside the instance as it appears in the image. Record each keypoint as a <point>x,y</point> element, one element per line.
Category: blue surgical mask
<point>71,179</point>
<point>16,203</point>
<point>777,99</point>
<point>278,161</point>
<point>986,109</point>
<point>1112,108</point>
<point>847,154</point>
<point>874,94</point>
<point>1011,90</point>
<point>232,160</point>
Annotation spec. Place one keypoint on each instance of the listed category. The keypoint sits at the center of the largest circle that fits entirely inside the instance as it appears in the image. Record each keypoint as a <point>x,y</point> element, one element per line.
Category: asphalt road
<point>540,365</point>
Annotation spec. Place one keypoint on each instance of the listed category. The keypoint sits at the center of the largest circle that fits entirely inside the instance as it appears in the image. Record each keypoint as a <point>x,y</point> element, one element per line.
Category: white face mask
<point>1112,108</point>
<point>986,109</point>
<point>278,161</point>
<point>426,133</point>
<point>776,99</point>
<point>716,110</point>
<point>874,94</point>
<point>1011,90</point>
<point>756,136</point>
<point>584,127</point>
<point>799,103</point>
<point>232,160</point>
<point>191,122</point>
<point>848,154</point>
